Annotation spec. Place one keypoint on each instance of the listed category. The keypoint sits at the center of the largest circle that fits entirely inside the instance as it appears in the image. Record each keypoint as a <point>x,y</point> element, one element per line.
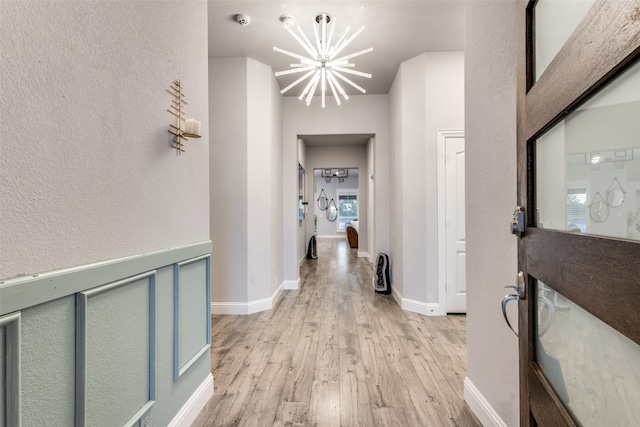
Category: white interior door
<point>455,240</point>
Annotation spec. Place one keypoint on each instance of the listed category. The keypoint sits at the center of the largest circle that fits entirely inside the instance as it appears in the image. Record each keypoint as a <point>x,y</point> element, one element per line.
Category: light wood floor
<point>335,353</point>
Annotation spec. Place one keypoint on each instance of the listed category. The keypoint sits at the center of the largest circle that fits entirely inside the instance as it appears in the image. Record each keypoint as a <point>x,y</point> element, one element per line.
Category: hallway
<point>336,353</point>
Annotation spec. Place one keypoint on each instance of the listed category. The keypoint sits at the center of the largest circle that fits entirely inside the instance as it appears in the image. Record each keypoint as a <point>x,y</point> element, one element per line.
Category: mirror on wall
<point>615,194</point>
<point>301,202</point>
<point>599,210</point>
<point>332,211</point>
<point>323,203</point>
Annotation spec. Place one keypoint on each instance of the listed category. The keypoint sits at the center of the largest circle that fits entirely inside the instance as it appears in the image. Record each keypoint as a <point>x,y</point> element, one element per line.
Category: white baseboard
<point>364,255</point>
<point>426,308</point>
<point>249,307</point>
<point>291,285</point>
<point>480,406</point>
<point>190,410</point>
<point>332,236</point>
<point>396,295</point>
<point>277,295</point>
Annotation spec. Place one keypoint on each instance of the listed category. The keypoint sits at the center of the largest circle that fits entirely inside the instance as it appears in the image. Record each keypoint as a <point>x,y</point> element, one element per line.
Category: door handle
<point>519,293</point>
<point>510,297</point>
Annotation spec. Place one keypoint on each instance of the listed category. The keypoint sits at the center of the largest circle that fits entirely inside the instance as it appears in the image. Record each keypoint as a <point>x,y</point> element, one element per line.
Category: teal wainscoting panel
<point>48,363</point>
<point>192,312</point>
<point>10,380</point>
<point>116,352</point>
<point>3,386</point>
<point>27,291</point>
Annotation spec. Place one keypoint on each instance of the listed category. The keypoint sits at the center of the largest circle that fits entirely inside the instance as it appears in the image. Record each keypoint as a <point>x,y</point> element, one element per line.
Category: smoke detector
<point>243,19</point>
<point>287,20</point>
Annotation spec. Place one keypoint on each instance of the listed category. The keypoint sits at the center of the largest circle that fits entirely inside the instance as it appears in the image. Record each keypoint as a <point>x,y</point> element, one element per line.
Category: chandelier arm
<point>295,70</point>
<point>346,42</point>
<point>353,55</point>
<point>316,79</point>
<point>323,42</point>
<point>306,89</point>
<point>324,85</point>
<point>333,48</point>
<point>318,44</point>
<point>309,45</point>
<point>302,43</point>
<point>302,59</point>
<point>345,79</point>
<point>297,81</point>
<point>354,72</point>
<point>333,90</point>
<point>338,85</point>
<point>328,46</point>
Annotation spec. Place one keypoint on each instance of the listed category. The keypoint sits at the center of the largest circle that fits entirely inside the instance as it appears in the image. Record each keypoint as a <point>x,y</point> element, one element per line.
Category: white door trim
<point>442,234</point>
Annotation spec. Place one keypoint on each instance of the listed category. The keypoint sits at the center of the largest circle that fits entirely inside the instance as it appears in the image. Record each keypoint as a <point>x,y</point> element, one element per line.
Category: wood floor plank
<point>335,353</point>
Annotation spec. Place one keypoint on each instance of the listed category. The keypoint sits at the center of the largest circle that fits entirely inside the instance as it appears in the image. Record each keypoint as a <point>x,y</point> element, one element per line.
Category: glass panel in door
<point>555,20</point>
<point>588,165</point>
<point>593,368</point>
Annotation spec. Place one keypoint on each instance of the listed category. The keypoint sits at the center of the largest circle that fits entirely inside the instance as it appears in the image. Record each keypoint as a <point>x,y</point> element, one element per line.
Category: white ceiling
<point>397,31</point>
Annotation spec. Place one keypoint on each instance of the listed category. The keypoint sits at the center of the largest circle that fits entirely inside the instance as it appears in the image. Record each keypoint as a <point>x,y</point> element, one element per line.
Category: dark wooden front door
<point>580,253</point>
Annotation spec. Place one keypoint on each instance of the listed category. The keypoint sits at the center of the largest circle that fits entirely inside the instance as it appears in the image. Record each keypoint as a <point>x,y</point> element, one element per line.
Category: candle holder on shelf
<point>192,128</point>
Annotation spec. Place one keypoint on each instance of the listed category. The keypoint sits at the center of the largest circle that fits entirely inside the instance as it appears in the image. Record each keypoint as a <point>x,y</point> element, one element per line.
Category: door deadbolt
<point>517,224</point>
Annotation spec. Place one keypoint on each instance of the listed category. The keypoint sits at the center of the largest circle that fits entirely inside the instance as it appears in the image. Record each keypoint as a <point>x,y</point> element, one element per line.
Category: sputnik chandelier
<point>323,67</point>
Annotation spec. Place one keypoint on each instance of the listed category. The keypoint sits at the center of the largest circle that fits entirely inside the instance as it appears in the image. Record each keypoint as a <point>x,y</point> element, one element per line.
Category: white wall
<point>363,114</point>
<point>427,96</point>
<point>370,247</point>
<point>87,172</point>
<point>328,228</point>
<point>490,136</point>
<point>396,197</point>
<point>302,224</point>
<point>229,177</point>
<point>338,156</point>
<point>88,180</point>
<point>245,163</point>
<point>264,141</point>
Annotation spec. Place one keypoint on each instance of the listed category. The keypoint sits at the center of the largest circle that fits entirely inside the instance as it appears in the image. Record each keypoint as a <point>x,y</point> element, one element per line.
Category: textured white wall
<point>360,114</point>
<point>245,162</point>
<point>258,170</point>
<point>276,186</point>
<point>490,103</point>
<point>229,179</point>
<point>396,177</point>
<point>86,169</point>
<point>371,237</point>
<point>444,111</point>
<point>427,95</point>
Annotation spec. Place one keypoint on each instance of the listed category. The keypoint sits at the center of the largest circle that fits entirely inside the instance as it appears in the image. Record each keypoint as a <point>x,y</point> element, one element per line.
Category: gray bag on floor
<point>312,250</point>
<point>381,281</point>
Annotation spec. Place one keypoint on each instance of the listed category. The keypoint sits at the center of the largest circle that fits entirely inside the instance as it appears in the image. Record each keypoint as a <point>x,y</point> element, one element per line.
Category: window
<point>347,207</point>
<point>577,209</point>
